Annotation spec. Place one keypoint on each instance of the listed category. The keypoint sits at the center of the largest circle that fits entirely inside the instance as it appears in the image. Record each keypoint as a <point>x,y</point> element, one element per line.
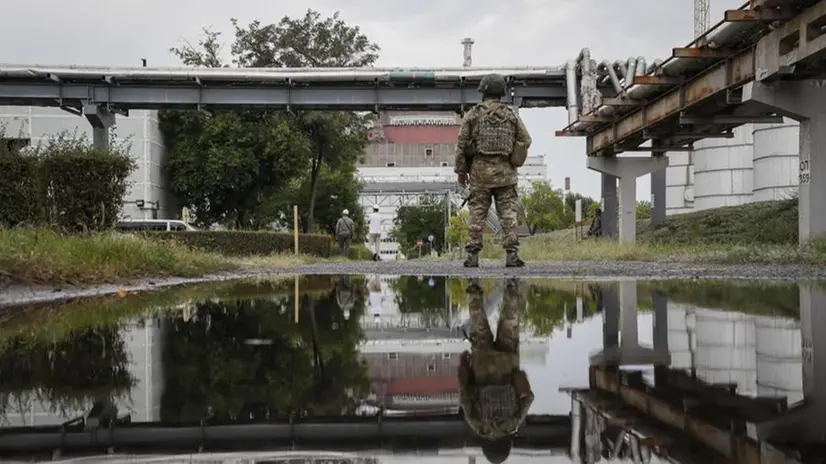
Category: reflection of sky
<point>567,361</point>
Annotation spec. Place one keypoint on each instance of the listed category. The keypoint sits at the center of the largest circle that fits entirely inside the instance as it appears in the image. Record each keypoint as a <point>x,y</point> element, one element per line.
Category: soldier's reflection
<point>495,393</point>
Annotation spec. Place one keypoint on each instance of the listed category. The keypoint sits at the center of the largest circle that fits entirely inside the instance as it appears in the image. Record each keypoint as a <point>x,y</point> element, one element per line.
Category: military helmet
<point>493,85</point>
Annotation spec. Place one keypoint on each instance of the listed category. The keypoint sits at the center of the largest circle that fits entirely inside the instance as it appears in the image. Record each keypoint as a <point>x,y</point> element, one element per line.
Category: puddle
<point>368,365</point>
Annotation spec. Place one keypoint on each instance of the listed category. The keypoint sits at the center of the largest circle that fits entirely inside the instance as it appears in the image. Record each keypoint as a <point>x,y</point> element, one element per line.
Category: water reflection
<point>323,357</point>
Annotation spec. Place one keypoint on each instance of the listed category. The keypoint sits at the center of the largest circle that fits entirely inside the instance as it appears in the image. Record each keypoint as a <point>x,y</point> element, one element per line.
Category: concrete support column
<point>627,169</point>
<point>804,423</point>
<point>658,189</point>
<point>624,314</point>
<point>803,101</point>
<point>101,120</point>
<point>609,205</point>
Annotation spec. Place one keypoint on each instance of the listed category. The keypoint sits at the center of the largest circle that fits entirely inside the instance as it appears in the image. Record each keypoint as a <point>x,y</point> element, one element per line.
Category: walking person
<point>345,229</point>
<point>495,394</point>
<point>374,236</point>
<point>493,142</point>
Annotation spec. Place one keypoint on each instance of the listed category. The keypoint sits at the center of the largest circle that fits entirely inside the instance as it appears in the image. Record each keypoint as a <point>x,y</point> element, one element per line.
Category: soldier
<point>495,394</point>
<point>493,142</point>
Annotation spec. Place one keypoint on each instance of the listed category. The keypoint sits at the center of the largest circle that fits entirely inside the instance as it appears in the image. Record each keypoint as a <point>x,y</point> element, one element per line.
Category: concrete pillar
<point>658,189</point>
<point>803,101</point>
<point>629,351</point>
<point>610,316</point>
<point>627,169</point>
<point>660,304</point>
<point>609,205</point>
<point>101,120</point>
<point>804,422</point>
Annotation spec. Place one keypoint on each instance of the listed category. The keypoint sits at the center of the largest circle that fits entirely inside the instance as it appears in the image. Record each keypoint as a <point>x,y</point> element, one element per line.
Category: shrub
<point>19,200</point>
<point>250,243</point>
<point>84,185</point>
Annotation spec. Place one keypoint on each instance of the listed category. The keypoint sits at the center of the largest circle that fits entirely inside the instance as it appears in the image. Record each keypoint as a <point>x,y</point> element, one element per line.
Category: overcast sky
<point>411,33</point>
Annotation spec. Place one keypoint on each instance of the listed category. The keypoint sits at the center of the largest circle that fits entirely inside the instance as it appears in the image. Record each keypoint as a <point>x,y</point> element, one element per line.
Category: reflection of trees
<point>69,374</point>
<point>417,296</point>
<point>309,368</point>
<point>546,308</point>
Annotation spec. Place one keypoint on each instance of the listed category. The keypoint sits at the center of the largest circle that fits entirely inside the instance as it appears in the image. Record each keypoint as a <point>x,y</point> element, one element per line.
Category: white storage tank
<point>779,358</point>
<point>679,183</point>
<point>723,170</point>
<point>680,335</point>
<point>140,131</point>
<point>726,349</point>
<point>776,159</point>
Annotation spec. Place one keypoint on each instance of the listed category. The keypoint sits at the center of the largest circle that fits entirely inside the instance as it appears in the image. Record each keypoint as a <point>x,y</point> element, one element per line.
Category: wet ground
<point>314,362</point>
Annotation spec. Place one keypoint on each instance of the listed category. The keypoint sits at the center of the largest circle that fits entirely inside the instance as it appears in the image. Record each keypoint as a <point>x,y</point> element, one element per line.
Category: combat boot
<point>472,260</point>
<point>512,260</point>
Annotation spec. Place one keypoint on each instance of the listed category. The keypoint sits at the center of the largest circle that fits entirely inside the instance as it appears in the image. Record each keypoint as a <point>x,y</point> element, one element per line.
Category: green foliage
<point>769,222</point>
<point>415,295</point>
<point>547,308</point>
<point>311,368</point>
<point>589,205</point>
<point>458,232</point>
<point>238,167</point>
<point>545,209</point>
<point>249,243</point>
<point>66,183</point>
<point>85,185</point>
<point>414,223</point>
<point>84,366</point>
<point>19,194</point>
<point>643,210</point>
<point>337,189</point>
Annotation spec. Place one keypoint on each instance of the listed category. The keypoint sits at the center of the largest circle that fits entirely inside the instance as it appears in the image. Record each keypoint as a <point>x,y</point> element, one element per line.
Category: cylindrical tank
<point>726,349</point>
<point>779,361</point>
<point>776,157</point>
<point>679,184</point>
<point>679,340</point>
<point>723,170</point>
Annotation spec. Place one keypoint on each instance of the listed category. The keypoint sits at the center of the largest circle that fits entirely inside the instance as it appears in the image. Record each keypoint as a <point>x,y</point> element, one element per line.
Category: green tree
<point>417,296</point>
<point>589,205</point>
<point>338,139</point>
<point>226,165</point>
<point>458,232</point>
<point>544,208</point>
<point>414,223</point>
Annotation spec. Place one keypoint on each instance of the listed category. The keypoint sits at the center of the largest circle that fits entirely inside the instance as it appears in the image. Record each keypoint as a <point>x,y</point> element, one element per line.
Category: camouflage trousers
<point>507,207</point>
<point>494,360</point>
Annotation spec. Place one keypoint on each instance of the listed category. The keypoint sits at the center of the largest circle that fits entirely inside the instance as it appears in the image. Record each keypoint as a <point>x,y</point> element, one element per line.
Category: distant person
<point>495,394</point>
<point>596,225</point>
<point>374,236</point>
<point>344,295</point>
<point>376,299</point>
<point>493,142</point>
<point>345,229</point>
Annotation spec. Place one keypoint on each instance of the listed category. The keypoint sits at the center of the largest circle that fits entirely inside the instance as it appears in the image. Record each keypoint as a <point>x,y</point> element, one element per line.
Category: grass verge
<point>757,233</point>
<point>44,256</point>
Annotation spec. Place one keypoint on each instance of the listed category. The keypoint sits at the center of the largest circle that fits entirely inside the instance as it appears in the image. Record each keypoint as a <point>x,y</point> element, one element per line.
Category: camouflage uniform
<point>486,141</point>
<point>495,394</point>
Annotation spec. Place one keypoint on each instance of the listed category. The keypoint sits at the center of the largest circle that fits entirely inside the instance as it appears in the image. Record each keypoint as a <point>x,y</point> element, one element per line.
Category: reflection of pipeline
<point>539,431</point>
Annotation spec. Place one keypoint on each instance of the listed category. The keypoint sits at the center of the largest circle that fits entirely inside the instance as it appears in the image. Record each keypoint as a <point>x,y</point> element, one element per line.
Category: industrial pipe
<point>612,75</point>
<point>570,84</point>
<point>630,71</point>
<point>543,429</point>
<point>276,75</point>
<point>720,36</point>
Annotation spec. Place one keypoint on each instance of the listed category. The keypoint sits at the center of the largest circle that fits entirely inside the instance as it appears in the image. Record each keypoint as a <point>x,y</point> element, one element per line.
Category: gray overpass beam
<point>101,120</point>
<point>626,169</point>
<point>161,95</point>
<point>803,101</point>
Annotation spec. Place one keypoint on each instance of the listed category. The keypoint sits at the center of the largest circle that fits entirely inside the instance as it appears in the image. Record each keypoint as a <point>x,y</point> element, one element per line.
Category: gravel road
<point>16,295</point>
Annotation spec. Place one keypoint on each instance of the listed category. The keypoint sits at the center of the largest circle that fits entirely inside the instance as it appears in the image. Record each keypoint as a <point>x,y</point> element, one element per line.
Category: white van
<point>167,225</point>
